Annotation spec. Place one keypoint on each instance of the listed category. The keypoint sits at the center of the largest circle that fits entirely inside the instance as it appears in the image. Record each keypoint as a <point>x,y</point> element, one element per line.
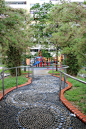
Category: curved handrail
<point>65,74</point>
<point>2,74</point>
<point>16,67</point>
<point>72,77</point>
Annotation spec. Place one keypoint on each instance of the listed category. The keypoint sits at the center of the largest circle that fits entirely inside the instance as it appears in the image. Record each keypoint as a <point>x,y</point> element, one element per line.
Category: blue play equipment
<point>38,60</point>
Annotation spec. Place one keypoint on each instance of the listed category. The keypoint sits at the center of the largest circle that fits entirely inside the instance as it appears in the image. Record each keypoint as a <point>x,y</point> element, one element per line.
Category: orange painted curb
<point>74,110</point>
<point>10,89</point>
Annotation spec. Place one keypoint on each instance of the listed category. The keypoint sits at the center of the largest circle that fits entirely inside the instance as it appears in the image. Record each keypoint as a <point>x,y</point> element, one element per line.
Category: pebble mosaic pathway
<point>37,106</point>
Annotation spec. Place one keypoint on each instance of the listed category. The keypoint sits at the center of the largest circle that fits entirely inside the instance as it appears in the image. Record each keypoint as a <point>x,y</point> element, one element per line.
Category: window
<point>15,2</point>
<point>34,50</point>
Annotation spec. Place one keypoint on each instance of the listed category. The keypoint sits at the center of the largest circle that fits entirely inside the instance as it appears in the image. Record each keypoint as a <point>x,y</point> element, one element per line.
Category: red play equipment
<point>42,63</point>
<point>41,58</point>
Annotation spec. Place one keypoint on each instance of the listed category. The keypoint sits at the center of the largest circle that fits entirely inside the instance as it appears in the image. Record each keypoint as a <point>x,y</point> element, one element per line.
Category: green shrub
<point>72,62</point>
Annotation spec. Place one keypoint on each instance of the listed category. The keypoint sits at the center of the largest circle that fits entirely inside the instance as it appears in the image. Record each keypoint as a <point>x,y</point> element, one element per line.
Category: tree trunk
<point>25,62</point>
<point>19,69</point>
<point>13,60</point>
<point>57,59</point>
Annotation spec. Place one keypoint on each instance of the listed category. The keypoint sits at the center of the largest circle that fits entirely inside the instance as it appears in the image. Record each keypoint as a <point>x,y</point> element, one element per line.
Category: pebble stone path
<point>37,106</point>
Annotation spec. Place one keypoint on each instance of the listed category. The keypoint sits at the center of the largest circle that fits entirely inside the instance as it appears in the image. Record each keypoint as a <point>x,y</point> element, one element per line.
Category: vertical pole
<point>52,69</point>
<point>65,75</point>
<point>49,61</point>
<point>41,62</point>
<point>60,86</point>
<point>3,84</point>
<point>64,80</point>
<point>32,72</point>
<point>55,62</point>
<point>24,64</point>
<point>28,71</point>
<point>38,56</point>
<point>16,79</point>
<point>45,62</point>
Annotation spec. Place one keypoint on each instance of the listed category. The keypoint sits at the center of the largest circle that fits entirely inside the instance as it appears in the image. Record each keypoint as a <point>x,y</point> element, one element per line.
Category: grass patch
<point>54,72</point>
<point>2,65</point>
<point>77,94</point>
<point>11,81</point>
<point>7,71</point>
<point>26,72</point>
<point>76,83</point>
<point>1,70</point>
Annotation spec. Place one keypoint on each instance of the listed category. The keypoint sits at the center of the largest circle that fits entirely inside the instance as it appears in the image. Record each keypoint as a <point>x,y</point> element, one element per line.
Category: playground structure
<point>40,61</point>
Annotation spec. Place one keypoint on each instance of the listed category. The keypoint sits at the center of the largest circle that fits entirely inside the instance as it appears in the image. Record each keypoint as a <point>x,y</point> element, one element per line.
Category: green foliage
<point>72,62</point>
<point>29,56</point>
<point>15,35</point>
<point>40,11</point>
<point>44,53</point>
<point>85,2</point>
<point>40,20</point>
<point>67,23</point>
<point>80,43</point>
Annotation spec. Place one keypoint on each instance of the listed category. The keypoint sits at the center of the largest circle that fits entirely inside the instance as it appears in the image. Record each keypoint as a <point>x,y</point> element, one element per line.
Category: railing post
<point>3,84</point>
<point>52,69</point>
<point>64,80</point>
<point>32,72</point>
<point>60,85</point>
<point>16,79</point>
<point>28,71</point>
<point>65,75</point>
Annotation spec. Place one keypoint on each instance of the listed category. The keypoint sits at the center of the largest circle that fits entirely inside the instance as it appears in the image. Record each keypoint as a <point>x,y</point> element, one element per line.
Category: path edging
<point>74,110</point>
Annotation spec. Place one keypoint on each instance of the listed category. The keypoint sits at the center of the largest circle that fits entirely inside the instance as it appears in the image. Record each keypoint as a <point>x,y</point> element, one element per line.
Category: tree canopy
<point>67,25</point>
<point>40,20</point>
<point>15,34</point>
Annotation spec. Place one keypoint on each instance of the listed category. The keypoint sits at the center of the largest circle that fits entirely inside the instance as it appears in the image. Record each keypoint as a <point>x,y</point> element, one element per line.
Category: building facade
<point>25,4</point>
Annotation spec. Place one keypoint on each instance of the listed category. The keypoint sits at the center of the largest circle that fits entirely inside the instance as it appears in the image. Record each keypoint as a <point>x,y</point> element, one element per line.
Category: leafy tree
<point>44,53</point>
<point>80,43</point>
<point>40,17</point>
<point>65,24</point>
<point>15,35</point>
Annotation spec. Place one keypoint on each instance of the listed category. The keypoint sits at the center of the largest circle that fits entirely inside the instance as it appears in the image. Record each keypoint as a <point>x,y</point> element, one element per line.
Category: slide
<point>38,60</point>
